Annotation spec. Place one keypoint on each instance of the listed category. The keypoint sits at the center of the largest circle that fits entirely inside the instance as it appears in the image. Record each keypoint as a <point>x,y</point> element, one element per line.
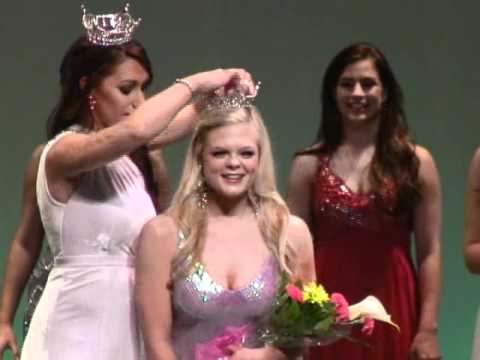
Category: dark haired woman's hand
<point>425,346</point>
<point>7,340</point>
<point>224,79</point>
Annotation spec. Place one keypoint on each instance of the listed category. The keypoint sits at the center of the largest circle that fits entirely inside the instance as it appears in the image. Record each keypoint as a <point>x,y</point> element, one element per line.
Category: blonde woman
<point>208,271</point>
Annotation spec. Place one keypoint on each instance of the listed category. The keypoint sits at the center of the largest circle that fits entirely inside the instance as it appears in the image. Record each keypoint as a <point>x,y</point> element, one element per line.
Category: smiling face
<point>359,93</point>
<point>120,93</point>
<point>230,158</point>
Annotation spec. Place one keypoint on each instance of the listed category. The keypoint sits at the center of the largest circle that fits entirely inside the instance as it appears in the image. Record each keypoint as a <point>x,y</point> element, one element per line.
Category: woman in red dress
<point>364,187</point>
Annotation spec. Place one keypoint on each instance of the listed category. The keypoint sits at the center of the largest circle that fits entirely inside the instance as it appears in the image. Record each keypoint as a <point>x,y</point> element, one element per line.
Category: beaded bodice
<point>203,309</point>
<point>338,210</point>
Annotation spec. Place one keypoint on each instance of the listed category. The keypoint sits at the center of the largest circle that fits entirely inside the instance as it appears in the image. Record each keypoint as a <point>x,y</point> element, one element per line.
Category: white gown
<point>87,309</point>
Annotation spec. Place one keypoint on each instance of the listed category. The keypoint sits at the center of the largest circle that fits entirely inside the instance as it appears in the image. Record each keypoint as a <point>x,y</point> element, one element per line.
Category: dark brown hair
<point>93,63</point>
<point>395,161</point>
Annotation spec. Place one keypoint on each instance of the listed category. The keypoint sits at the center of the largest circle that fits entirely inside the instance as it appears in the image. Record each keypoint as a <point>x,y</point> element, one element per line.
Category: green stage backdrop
<point>286,44</point>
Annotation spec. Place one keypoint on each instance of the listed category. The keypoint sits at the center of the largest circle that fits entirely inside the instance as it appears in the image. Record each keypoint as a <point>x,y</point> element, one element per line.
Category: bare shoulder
<point>298,232</point>
<point>475,163</point>
<point>300,178</point>
<point>65,150</point>
<point>160,231</point>
<point>474,170</point>
<point>67,140</point>
<point>296,226</point>
<point>428,173</point>
<point>161,225</point>
<point>306,163</point>
<point>423,154</point>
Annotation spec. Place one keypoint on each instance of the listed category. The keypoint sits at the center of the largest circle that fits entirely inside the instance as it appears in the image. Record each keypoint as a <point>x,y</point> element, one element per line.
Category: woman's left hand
<point>425,346</point>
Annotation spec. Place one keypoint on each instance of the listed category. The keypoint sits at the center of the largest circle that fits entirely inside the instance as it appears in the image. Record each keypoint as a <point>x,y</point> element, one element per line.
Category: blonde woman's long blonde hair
<point>272,215</point>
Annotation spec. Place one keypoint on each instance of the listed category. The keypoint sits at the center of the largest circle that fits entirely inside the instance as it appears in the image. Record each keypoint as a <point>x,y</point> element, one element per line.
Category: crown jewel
<point>109,29</point>
<point>234,100</point>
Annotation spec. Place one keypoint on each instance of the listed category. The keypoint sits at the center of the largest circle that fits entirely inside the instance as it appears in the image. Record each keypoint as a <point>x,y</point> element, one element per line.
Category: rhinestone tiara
<point>234,100</point>
<point>109,29</point>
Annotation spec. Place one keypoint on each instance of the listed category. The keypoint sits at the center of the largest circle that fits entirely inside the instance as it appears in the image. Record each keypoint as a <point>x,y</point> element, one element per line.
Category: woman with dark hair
<point>364,187</point>
<point>27,246</point>
<point>94,189</point>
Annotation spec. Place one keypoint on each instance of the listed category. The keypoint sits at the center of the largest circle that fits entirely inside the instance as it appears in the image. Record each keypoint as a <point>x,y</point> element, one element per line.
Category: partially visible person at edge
<point>94,191</point>
<point>364,187</point>
<point>472,234</point>
<point>208,269</point>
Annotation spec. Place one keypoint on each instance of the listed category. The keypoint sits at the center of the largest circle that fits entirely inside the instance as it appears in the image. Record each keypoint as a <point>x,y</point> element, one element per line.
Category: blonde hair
<point>192,219</point>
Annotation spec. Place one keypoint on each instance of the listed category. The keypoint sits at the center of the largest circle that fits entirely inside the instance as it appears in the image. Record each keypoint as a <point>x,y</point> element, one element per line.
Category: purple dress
<point>207,317</point>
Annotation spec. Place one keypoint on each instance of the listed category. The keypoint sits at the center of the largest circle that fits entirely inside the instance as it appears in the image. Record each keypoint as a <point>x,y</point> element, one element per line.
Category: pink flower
<point>294,292</point>
<point>368,325</point>
<point>342,306</point>
<point>219,347</point>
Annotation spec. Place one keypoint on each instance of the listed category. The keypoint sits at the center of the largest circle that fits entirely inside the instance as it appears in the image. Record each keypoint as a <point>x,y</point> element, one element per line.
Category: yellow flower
<point>315,294</point>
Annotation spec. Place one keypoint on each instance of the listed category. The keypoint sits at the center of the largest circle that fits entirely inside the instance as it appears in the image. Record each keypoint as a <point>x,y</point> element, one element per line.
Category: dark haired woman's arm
<point>181,126</point>
<point>23,254</point>
<point>428,227</point>
<point>157,247</point>
<point>472,216</point>
<point>300,187</point>
<point>77,153</point>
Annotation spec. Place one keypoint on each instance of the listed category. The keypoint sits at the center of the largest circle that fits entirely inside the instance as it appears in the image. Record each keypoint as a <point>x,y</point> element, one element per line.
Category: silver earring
<point>202,196</point>
<point>92,102</point>
<point>255,202</point>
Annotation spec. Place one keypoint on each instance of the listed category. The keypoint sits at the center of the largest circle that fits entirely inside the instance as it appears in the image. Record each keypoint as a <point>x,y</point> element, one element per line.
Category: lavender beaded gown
<point>208,317</point>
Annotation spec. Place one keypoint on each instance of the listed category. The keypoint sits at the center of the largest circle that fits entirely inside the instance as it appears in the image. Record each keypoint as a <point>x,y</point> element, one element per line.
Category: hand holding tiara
<point>222,89</point>
<point>224,80</point>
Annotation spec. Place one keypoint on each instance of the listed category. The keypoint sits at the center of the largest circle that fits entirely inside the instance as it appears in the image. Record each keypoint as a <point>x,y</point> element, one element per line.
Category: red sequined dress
<point>360,250</point>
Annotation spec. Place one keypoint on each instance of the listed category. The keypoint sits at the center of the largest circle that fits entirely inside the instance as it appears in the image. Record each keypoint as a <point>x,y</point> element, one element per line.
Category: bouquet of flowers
<point>305,314</point>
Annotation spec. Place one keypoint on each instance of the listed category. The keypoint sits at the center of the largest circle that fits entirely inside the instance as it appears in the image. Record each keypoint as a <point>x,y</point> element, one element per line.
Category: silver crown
<point>109,29</point>
<point>234,100</point>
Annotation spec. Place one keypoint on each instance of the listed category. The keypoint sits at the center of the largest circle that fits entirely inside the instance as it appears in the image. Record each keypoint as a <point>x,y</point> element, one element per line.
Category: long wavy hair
<point>84,60</point>
<point>192,219</point>
<point>394,162</point>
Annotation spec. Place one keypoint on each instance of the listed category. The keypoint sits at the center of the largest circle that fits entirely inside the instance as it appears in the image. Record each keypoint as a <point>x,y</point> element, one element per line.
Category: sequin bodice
<point>203,309</point>
<point>339,211</point>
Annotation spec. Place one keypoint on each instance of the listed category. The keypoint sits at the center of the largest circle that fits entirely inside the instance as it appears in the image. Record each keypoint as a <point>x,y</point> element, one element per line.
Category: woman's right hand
<point>8,340</point>
<point>209,81</point>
